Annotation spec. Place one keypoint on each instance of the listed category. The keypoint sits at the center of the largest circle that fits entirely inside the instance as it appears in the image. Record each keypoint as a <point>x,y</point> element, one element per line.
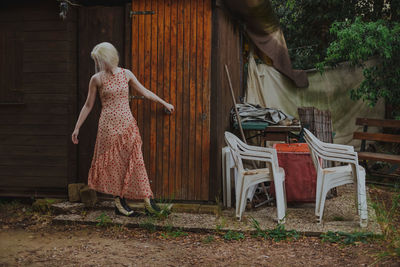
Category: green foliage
<point>233,235</point>
<point>277,234</point>
<point>280,233</point>
<point>306,23</point>
<point>148,225</point>
<point>103,220</point>
<point>171,233</point>
<point>43,205</point>
<point>358,41</point>
<point>347,238</point>
<point>220,225</point>
<point>385,215</point>
<point>259,231</point>
<point>14,203</point>
<point>208,239</point>
<point>338,218</point>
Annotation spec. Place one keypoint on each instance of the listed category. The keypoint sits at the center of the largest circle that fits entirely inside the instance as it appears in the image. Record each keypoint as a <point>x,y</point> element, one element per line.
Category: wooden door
<point>96,24</point>
<point>171,53</point>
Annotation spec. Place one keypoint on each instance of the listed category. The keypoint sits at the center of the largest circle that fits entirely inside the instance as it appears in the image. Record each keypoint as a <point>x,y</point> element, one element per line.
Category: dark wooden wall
<point>226,50</point>
<point>38,103</point>
<point>97,24</point>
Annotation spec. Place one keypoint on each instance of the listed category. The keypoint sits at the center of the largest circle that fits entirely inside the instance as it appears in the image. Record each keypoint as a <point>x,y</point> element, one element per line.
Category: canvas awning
<point>262,26</point>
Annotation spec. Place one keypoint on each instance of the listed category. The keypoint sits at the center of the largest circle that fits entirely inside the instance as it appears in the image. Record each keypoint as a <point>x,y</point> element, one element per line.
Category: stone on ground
<point>88,196</point>
<point>74,192</point>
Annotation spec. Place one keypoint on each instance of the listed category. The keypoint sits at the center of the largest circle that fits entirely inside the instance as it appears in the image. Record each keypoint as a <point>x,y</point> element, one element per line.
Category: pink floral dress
<point>117,167</point>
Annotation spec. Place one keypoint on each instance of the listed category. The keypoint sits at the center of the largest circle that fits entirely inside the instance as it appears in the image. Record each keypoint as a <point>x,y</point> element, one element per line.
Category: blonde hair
<point>105,56</point>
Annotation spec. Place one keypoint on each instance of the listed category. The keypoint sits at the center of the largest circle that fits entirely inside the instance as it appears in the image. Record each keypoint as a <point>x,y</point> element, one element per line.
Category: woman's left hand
<point>170,108</point>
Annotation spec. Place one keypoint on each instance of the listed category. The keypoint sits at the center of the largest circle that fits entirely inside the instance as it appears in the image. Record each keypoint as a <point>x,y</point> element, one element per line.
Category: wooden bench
<point>380,137</point>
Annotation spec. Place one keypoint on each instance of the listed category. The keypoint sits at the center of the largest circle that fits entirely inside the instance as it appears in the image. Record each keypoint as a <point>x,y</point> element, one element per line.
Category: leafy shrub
<point>387,216</point>
<point>174,234</point>
<point>358,41</point>
<point>232,235</point>
<point>208,239</point>
<point>103,220</point>
<point>277,234</point>
<point>306,23</point>
<point>347,238</point>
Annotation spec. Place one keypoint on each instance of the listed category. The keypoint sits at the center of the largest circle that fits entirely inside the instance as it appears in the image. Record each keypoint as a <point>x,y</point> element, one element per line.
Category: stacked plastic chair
<point>247,178</point>
<point>328,178</point>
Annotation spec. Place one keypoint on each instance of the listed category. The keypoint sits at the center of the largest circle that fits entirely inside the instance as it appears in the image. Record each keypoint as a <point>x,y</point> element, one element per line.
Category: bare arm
<point>134,83</point>
<point>87,107</point>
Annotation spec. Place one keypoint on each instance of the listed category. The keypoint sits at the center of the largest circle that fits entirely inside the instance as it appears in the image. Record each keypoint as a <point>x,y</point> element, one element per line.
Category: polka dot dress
<point>117,167</point>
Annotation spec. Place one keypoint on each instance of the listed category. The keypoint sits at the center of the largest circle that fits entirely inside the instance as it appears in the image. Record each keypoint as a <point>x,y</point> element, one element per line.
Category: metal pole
<point>234,105</point>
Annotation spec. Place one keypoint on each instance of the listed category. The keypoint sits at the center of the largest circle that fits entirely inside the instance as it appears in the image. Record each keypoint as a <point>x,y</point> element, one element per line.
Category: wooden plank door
<point>171,53</point>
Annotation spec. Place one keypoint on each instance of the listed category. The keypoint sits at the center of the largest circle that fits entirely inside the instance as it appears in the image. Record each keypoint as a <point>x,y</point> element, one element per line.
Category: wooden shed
<point>176,48</point>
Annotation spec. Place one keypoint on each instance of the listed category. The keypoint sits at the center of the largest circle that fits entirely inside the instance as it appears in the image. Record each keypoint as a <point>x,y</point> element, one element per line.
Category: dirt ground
<point>88,246</point>
<point>27,238</point>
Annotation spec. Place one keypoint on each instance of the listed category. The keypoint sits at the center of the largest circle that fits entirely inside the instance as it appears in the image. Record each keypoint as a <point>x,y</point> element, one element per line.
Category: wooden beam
<point>377,137</point>
<point>378,123</point>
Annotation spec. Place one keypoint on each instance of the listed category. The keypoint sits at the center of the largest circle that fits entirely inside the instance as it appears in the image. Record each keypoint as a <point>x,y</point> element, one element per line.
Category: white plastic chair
<point>227,165</point>
<point>247,178</point>
<point>328,178</point>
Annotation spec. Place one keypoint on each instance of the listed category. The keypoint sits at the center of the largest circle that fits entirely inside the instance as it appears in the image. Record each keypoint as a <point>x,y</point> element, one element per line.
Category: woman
<point>117,166</point>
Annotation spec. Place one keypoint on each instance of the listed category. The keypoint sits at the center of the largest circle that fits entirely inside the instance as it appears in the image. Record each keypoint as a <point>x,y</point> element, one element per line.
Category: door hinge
<point>148,12</point>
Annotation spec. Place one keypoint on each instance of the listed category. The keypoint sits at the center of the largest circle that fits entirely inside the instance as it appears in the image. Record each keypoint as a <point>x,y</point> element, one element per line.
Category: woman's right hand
<point>169,107</point>
<point>75,136</point>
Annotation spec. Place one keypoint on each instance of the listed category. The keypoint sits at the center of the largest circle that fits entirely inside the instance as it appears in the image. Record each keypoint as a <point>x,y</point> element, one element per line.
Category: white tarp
<point>329,91</point>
